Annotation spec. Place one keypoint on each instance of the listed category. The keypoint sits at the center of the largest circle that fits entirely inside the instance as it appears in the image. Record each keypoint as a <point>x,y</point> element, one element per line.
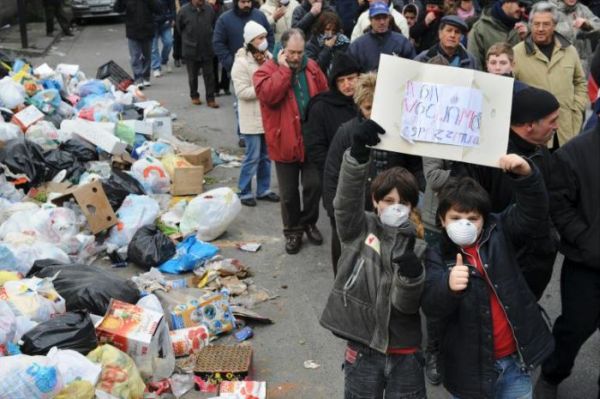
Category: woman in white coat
<point>256,160</point>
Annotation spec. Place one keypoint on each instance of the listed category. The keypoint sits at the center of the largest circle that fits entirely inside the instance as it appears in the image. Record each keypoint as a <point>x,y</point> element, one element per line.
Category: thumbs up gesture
<point>459,275</point>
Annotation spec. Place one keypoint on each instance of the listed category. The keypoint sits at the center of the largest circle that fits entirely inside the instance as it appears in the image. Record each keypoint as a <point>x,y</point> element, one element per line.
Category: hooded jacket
<point>318,51</point>
<point>562,76</point>
<point>327,111</point>
<point>466,59</point>
<point>196,28</point>
<point>488,31</point>
<point>228,37</point>
<point>282,24</point>
<point>369,298</point>
<point>467,347</point>
<point>303,18</point>
<point>280,113</point>
<point>574,191</point>
<point>368,48</point>
<point>139,17</point>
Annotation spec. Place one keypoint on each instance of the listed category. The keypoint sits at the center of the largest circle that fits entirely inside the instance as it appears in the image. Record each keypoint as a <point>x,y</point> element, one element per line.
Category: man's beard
<point>245,11</point>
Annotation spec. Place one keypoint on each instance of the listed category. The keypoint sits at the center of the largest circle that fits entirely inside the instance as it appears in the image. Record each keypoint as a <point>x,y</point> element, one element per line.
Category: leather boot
<point>432,370</point>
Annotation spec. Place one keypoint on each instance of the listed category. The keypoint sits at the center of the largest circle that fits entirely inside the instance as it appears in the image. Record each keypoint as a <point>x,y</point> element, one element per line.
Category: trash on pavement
<point>311,364</point>
<point>210,309</point>
<point>190,253</point>
<point>187,341</point>
<point>33,297</point>
<point>24,376</point>
<point>120,376</point>
<point>244,334</point>
<point>243,390</point>
<point>220,363</point>
<point>135,212</point>
<point>149,247</point>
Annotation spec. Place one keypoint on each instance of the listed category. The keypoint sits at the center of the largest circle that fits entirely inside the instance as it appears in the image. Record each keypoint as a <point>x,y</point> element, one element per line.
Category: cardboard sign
<point>442,112</point>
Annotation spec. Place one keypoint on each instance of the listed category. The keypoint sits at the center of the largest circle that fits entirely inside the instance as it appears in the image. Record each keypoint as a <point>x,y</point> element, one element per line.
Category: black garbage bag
<point>86,287</point>
<point>119,185</point>
<point>58,160</point>
<point>82,151</point>
<point>150,247</point>
<point>26,157</point>
<point>72,330</point>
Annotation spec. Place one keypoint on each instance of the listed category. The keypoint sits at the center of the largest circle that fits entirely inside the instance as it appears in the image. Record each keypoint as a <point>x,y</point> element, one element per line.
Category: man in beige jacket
<point>279,14</point>
<point>546,60</point>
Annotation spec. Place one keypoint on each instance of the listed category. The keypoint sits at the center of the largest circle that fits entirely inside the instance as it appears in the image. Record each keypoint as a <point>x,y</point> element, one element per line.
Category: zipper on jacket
<point>352,279</point>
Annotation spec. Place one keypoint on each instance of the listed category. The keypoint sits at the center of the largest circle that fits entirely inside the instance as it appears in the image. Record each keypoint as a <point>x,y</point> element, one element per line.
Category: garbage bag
<point>120,376</point>
<point>73,366</point>
<point>46,101</point>
<point>23,156</point>
<point>92,87</point>
<point>135,212</point>
<point>27,250</point>
<point>29,377</point>
<point>73,330</point>
<point>190,254</point>
<point>210,214</point>
<point>12,94</point>
<point>86,287</point>
<point>82,151</point>
<point>77,390</point>
<point>33,297</point>
<point>119,186</point>
<point>149,247</point>
<point>152,175</point>
<point>45,134</point>
<point>12,327</point>
<point>9,131</point>
<point>59,160</point>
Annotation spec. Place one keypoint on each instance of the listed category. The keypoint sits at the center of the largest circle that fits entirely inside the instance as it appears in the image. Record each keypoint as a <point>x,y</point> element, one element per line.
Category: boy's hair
<point>500,48</point>
<point>396,178</point>
<point>365,88</point>
<point>463,195</point>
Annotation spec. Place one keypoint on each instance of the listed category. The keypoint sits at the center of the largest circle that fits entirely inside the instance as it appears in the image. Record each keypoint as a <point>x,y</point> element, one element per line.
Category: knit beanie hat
<point>532,104</point>
<point>252,30</point>
<point>343,64</point>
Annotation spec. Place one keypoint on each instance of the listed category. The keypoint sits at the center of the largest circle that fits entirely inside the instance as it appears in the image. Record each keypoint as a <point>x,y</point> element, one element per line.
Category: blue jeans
<point>513,382</point>
<point>256,162</point>
<point>165,35</point>
<point>373,375</point>
<point>139,53</point>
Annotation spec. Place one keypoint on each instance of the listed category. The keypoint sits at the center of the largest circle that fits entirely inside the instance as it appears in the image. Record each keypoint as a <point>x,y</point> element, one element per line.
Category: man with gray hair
<point>546,60</point>
<point>284,85</point>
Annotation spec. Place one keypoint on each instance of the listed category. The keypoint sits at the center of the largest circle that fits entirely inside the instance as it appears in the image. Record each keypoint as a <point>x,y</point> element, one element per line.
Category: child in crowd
<point>376,296</point>
<point>494,334</point>
<point>500,59</point>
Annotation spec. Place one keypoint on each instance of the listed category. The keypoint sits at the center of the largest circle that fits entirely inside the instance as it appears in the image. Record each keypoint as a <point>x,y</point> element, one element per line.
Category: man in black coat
<point>534,120</point>
<point>55,8</point>
<point>574,191</point>
<point>139,29</point>
<point>195,23</point>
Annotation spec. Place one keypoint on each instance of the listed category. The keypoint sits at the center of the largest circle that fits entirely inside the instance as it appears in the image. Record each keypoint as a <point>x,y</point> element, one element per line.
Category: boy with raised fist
<point>493,333</point>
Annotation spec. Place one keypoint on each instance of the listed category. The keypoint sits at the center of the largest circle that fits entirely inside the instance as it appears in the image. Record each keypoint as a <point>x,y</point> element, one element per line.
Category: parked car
<point>86,9</point>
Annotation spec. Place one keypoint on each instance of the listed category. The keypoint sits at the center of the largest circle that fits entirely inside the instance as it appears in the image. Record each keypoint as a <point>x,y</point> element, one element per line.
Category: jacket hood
<point>530,47</point>
<point>413,6</point>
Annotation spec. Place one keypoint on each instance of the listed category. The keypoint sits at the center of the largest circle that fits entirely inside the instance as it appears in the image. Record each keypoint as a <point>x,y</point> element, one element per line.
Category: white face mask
<point>263,45</point>
<point>462,232</point>
<point>284,2</point>
<point>395,215</point>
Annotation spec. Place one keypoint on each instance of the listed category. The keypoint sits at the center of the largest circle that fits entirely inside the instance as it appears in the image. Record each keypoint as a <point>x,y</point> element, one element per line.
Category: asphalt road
<point>303,281</point>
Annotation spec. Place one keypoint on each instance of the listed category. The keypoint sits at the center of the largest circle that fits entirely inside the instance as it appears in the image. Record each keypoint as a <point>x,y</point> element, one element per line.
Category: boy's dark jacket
<point>367,285</point>
<point>467,345</point>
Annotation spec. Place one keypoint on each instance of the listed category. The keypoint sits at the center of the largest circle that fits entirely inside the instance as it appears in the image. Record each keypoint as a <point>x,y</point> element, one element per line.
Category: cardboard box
<point>101,134</point>
<point>202,156</point>
<point>27,117</point>
<point>162,127</point>
<point>130,328</point>
<point>187,181</point>
<point>93,203</point>
<point>211,310</point>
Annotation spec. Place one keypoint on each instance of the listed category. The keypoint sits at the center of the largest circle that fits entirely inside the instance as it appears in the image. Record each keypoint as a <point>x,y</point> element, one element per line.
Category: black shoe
<point>177,63</point>
<point>544,390</point>
<point>432,371</point>
<point>242,143</point>
<point>314,235</point>
<point>293,243</point>
<point>68,33</point>
<point>227,93</point>
<point>248,201</point>
<point>271,197</point>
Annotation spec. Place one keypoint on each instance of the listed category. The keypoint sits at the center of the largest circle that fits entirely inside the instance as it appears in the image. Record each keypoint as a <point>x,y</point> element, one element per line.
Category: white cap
<point>252,30</point>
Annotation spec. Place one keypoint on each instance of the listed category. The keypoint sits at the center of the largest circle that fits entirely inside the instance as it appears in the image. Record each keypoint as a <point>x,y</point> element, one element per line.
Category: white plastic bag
<point>135,212</point>
<point>29,377</point>
<point>12,94</point>
<point>33,297</point>
<point>45,134</point>
<point>27,250</point>
<point>210,214</point>
<point>9,131</point>
<point>152,175</point>
<point>74,366</point>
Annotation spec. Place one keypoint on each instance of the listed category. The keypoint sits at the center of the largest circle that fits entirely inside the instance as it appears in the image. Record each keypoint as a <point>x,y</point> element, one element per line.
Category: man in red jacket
<point>284,85</point>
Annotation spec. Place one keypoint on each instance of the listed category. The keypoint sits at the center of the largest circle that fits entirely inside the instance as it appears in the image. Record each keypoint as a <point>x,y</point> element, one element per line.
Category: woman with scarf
<point>327,40</point>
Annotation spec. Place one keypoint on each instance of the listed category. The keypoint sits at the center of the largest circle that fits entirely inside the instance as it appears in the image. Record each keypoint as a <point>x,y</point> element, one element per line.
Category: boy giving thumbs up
<point>494,333</point>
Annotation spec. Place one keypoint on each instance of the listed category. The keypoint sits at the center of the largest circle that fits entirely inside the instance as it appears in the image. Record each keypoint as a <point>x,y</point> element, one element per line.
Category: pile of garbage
<point>89,169</point>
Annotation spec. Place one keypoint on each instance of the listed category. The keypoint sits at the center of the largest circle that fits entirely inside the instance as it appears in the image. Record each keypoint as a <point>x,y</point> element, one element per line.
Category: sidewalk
<point>39,43</point>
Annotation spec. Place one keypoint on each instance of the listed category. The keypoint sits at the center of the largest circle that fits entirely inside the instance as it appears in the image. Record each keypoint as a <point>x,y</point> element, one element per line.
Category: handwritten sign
<point>442,111</point>
<point>444,114</point>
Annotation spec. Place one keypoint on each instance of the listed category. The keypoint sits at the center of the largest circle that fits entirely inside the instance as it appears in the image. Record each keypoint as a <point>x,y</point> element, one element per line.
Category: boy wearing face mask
<point>494,333</point>
<point>375,300</point>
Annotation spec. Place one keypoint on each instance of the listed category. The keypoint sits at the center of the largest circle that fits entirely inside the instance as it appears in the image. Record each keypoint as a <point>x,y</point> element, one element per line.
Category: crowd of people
<point>470,247</point>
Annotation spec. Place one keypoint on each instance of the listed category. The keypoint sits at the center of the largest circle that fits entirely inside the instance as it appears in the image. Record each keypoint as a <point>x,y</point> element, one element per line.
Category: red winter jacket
<point>280,114</point>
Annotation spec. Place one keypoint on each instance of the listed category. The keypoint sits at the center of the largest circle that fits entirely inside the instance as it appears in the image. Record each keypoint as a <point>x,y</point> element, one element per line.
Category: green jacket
<point>486,32</point>
<point>368,285</point>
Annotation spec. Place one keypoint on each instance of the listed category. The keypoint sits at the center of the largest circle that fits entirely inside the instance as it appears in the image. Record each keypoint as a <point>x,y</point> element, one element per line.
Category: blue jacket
<point>367,48</point>
<point>228,36</point>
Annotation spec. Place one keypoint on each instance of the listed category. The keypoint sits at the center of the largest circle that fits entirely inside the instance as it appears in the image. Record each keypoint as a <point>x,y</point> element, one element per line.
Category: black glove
<point>408,265</point>
<point>367,134</point>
